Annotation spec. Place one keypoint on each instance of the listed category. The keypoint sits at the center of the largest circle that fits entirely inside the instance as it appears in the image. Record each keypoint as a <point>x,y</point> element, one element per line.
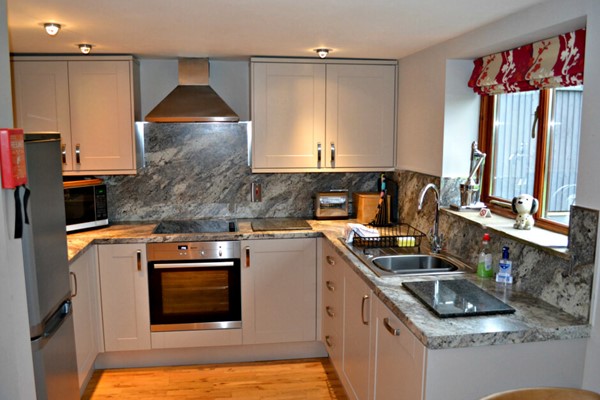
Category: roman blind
<point>554,62</point>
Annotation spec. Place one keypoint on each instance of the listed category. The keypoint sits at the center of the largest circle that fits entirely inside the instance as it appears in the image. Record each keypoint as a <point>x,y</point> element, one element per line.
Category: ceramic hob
<point>196,226</point>
<point>456,298</point>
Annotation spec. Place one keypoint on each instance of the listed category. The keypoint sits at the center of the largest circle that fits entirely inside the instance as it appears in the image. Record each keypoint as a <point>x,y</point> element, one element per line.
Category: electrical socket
<point>255,192</point>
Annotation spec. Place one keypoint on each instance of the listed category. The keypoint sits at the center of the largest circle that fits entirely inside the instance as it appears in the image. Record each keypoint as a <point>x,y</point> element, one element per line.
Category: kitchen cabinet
<point>93,103</point>
<point>358,320</point>
<point>279,290</point>
<point>323,115</point>
<point>87,318</point>
<point>399,358</point>
<point>332,304</point>
<point>124,296</point>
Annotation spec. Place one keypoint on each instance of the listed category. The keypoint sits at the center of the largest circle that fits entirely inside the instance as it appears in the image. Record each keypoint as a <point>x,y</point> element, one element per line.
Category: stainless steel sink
<point>395,261</point>
<point>414,264</point>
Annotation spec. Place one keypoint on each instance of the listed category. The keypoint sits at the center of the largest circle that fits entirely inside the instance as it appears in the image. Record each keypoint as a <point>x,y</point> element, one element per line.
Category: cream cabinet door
<point>279,290</point>
<point>124,293</point>
<point>288,114</point>
<point>360,127</point>
<point>400,358</point>
<point>41,100</point>
<point>358,320</point>
<point>87,318</point>
<point>101,115</point>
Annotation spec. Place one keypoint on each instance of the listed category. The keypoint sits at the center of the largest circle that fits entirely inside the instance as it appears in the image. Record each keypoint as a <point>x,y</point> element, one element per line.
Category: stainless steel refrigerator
<point>47,271</point>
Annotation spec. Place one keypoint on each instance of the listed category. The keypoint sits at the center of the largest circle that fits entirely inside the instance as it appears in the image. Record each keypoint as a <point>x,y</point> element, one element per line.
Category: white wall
<point>230,79</point>
<point>427,101</point>
<point>16,368</point>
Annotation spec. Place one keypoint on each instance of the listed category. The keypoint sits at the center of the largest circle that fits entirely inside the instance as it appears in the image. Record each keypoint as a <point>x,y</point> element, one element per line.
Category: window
<point>532,142</point>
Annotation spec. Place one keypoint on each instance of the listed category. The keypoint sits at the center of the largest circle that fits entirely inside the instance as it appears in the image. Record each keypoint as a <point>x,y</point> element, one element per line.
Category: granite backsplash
<point>200,170</point>
<point>564,281</point>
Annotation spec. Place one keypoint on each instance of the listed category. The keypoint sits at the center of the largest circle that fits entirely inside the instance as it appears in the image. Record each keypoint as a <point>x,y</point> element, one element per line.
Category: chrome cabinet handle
<point>393,331</point>
<point>247,256</point>
<point>78,153</point>
<point>362,309</point>
<point>330,311</point>
<point>139,260</point>
<point>63,152</point>
<point>330,260</point>
<point>332,154</point>
<point>318,155</point>
<point>75,283</point>
<point>330,286</point>
<point>328,341</point>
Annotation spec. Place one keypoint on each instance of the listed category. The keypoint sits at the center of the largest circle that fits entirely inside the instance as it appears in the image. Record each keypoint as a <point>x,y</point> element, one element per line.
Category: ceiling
<point>388,29</point>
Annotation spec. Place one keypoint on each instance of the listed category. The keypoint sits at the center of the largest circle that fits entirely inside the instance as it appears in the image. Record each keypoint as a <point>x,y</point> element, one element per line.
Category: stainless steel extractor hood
<point>193,100</point>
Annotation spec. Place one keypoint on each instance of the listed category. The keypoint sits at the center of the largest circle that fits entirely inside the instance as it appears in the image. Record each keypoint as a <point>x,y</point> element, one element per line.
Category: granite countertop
<point>533,321</point>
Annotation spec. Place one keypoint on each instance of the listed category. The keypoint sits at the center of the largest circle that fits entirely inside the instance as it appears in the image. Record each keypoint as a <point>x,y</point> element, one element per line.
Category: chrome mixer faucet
<point>435,238</point>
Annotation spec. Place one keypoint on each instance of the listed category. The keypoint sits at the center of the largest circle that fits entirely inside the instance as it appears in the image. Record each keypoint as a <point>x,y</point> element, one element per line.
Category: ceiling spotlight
<point>51,28</point>
<point>85,48</point>
<point>322,52</point>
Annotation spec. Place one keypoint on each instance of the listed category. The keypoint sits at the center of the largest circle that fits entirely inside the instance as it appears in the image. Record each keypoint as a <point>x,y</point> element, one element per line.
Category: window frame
<point>486,131</point>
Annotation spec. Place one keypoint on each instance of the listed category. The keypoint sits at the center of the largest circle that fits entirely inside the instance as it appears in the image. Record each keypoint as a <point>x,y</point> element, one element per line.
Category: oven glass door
<point>190,295</point>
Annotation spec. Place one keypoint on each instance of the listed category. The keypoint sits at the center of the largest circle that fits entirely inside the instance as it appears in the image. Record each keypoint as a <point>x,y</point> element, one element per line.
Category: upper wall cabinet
<point>323,115</point>
<point>92,102</point>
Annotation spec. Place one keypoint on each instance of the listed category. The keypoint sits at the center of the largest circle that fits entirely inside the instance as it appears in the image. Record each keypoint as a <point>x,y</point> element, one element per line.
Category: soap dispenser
<point>504,274</point>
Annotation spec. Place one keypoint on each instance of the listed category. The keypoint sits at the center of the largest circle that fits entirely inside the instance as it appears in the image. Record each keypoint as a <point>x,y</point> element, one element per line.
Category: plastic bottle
<point>484,262</point>
<point>505,268</point>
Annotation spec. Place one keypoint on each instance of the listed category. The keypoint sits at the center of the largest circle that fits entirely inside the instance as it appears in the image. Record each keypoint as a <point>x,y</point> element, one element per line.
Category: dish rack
<point>401,235</point>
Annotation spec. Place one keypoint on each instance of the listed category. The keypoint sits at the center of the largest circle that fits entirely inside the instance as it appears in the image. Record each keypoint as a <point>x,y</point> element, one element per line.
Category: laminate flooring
<point>285,380</point>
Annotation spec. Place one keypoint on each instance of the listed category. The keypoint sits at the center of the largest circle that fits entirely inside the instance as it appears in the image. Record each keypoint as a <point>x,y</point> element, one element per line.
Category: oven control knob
<point>202,252</point>
<point>220,253</point>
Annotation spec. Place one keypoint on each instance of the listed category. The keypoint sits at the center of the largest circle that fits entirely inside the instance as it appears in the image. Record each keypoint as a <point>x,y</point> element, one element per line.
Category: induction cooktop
<point>196,226</point>
<point>456,298</point>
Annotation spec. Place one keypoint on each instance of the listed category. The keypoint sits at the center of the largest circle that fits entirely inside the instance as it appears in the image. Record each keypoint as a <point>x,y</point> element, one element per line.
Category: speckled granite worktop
<point>534,320</point>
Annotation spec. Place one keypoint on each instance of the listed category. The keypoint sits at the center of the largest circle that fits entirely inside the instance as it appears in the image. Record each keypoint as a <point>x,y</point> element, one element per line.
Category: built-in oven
<point>194,285</point>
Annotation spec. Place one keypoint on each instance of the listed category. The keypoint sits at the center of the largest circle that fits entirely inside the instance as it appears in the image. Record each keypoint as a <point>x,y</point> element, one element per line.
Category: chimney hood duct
<point>192,100</point>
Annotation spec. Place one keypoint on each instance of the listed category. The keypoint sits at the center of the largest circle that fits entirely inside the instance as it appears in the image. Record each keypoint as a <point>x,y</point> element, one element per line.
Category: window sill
<point>551,242</point>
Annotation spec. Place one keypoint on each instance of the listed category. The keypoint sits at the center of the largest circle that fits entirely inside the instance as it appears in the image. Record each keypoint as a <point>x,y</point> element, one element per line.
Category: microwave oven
<point>85,204</point>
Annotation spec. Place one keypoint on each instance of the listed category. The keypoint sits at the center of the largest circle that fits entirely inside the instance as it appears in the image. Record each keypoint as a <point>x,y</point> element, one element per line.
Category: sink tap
<point>435,239</point>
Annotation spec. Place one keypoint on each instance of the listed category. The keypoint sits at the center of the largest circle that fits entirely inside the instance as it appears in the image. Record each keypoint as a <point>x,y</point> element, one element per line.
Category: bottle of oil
<point>484,262</point>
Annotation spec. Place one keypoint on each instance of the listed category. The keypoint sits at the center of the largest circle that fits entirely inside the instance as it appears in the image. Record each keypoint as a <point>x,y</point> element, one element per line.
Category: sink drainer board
<point>456,298</point>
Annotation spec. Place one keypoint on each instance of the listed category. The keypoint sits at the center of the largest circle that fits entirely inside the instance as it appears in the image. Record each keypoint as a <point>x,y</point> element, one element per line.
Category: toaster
<point>331,205</point>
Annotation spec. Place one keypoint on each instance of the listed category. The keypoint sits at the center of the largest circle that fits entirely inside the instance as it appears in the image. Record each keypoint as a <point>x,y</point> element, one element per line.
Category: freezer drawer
<point>54,358</point>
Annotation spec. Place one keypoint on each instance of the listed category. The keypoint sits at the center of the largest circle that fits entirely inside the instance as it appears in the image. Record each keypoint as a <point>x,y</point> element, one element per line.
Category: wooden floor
<point>285,380</point>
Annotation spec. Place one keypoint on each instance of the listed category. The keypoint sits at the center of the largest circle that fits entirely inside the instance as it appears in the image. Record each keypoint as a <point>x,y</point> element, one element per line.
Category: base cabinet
<point>382,360</point>
<point>332,304</point>
<point>399,360</point>
<point>358,320</point>
<point>124,293</point>
<point>87,318</point>
<point>279,290</point>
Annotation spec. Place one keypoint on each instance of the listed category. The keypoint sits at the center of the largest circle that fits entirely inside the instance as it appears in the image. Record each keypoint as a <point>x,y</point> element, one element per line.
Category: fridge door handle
<point>53,325</point>
<point>74,292</point>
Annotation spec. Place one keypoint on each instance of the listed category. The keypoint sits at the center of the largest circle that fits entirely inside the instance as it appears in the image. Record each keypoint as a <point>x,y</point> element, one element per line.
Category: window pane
<point>563,153</point>
<point>513,162</point>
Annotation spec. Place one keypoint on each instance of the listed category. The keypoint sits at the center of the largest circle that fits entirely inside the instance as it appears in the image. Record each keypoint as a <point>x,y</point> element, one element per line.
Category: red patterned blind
<point>554,62</point>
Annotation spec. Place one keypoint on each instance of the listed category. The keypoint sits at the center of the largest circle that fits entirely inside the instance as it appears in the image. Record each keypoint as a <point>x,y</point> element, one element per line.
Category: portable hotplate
<point>456,298</point>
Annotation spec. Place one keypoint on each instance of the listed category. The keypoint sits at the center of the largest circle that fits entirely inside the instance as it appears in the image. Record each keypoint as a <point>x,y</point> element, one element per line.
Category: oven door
<point>195,295</point>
